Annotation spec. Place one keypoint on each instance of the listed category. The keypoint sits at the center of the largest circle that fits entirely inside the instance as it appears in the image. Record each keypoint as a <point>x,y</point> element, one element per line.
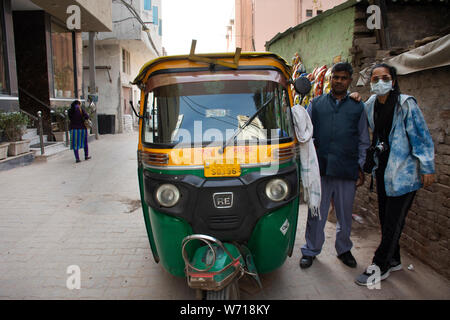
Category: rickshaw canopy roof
<point>255,59</point>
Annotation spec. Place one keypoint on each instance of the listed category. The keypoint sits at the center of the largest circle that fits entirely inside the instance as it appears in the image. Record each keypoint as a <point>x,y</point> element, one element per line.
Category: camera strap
<point>373,144</point>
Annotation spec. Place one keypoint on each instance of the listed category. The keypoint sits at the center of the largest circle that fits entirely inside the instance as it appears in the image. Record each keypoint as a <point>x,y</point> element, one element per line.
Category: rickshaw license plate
<point>222,170</point>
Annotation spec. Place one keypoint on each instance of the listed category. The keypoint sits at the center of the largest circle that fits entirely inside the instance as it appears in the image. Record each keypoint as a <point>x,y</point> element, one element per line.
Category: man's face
<point>340,82</point>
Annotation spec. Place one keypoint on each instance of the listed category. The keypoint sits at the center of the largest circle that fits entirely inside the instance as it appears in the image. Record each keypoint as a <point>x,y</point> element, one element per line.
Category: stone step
<point>38,140</point>
<point>50,149</point>
<point>32,135</point>
<point>30,132</point>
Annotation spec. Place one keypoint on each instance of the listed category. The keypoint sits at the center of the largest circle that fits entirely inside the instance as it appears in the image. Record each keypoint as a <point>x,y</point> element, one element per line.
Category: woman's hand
<point>355,96</point>
<point>428,179</point>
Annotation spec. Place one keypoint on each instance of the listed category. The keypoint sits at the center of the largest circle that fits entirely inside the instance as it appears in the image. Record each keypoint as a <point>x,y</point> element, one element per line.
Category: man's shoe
<point>395,266</point>
<point>306,262</point>
<point>369,278</point>
<point>87,158</point>
<point>348,259</point>
<point>78,160</point>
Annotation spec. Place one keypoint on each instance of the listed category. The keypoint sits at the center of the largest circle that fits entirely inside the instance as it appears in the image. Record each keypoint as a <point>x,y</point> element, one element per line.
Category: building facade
<point>40,56</point>
<point>257,21</point>
<point>135,38</point>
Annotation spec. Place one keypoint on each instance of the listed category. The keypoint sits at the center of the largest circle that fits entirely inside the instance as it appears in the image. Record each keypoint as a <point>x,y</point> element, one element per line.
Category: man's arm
<point>364,139</point>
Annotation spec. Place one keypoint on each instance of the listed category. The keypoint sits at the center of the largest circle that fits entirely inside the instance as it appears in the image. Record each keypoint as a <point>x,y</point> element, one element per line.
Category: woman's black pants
<point>392,212</point>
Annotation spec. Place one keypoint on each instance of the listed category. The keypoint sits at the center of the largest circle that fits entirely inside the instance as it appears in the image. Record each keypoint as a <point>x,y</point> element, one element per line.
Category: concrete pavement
<point>57,214</point>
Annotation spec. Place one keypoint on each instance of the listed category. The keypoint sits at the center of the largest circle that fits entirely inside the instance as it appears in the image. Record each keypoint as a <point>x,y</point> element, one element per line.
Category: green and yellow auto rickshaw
<point>219,171</point>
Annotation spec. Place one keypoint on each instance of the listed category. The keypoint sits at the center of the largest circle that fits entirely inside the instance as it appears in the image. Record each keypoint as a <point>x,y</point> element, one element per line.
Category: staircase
<point>51,148</point>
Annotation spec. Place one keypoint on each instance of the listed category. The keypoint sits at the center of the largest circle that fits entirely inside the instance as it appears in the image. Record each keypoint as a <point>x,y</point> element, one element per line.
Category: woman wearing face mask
<point>78,131</point>
<point>404,163</point>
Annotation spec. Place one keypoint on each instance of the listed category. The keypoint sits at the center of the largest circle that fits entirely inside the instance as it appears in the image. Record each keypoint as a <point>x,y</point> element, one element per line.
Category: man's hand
<point>428,179</point>
<point>361,178</point>
<point>355,96</point>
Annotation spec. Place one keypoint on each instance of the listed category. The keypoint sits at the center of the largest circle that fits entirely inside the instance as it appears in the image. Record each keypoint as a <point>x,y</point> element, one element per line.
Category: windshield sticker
<point>217,113</point>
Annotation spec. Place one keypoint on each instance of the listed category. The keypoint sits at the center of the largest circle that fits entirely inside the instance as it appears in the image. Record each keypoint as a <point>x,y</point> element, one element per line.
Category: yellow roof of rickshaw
<point>244,58</point>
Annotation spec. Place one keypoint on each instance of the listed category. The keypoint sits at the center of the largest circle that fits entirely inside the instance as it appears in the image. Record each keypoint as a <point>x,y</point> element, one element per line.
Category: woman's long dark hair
<point>75,102</point>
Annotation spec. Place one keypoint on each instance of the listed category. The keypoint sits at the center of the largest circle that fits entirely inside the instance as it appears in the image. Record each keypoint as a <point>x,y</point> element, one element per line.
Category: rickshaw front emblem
<point>223,200</point>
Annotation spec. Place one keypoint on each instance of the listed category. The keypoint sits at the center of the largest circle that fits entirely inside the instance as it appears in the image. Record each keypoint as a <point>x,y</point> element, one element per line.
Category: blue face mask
<point>381,88</point>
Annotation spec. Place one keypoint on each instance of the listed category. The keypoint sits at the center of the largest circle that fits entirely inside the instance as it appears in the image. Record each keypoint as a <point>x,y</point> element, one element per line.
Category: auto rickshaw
<point>219,174</point>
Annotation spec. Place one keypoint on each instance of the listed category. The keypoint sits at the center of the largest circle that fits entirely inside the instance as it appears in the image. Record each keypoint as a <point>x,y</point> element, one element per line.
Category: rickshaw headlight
<point>167,195</point>
<point>277,190</point>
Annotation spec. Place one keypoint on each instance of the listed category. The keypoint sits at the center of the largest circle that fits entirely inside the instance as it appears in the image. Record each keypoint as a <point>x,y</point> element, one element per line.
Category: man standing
<point>341,138</point>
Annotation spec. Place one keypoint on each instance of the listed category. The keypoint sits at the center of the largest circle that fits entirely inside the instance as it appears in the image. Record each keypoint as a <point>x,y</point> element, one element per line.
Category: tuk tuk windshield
<point>211,112</point>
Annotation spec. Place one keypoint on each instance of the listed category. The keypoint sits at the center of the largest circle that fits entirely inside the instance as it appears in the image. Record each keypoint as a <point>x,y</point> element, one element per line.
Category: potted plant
<point>14,125</point>
<point>60,129</point>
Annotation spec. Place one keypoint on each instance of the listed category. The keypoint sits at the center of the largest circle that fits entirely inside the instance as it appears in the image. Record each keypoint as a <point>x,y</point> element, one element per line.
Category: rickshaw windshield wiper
<point>249,121</point>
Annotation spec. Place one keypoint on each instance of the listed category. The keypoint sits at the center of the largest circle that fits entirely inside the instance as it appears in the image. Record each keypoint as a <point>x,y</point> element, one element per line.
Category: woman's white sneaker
<point>396,266</point>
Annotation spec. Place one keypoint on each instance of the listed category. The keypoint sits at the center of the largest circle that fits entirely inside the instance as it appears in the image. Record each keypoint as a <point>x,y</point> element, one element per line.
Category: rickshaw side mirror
<point>302,86</point>
<point>135,112</point>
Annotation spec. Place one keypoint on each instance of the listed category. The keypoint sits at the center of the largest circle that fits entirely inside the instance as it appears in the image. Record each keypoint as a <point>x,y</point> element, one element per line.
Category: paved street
<point>57,214</point>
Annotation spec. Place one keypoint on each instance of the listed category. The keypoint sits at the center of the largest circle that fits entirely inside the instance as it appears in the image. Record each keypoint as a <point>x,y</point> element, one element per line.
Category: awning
<point>431,55</point>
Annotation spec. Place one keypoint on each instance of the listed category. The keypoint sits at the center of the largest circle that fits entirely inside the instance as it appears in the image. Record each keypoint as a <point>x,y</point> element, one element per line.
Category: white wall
<point>108,94</point>
<point>126,34</point>
<point>126,27</point>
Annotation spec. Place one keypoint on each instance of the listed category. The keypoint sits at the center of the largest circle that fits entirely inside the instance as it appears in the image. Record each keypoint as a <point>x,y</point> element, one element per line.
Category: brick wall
<point>427,229</point>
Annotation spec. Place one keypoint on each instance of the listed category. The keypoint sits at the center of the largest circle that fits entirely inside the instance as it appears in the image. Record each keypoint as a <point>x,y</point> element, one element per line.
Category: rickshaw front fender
<point>145,211</point>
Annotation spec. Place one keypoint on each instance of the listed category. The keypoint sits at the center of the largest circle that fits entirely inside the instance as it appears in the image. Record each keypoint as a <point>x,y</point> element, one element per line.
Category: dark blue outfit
<point>341,138</point>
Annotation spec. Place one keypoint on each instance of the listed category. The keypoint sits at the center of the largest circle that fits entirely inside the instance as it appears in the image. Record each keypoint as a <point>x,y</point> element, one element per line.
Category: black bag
<point>370,162</point>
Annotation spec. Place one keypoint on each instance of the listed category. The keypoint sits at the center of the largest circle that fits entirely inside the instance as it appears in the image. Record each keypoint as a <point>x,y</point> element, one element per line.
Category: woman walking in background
<point>78,130</point>
<point>403,161</point>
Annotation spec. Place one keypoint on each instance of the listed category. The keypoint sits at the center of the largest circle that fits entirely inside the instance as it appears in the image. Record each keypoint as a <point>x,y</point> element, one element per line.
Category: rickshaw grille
<point>223,222</point>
